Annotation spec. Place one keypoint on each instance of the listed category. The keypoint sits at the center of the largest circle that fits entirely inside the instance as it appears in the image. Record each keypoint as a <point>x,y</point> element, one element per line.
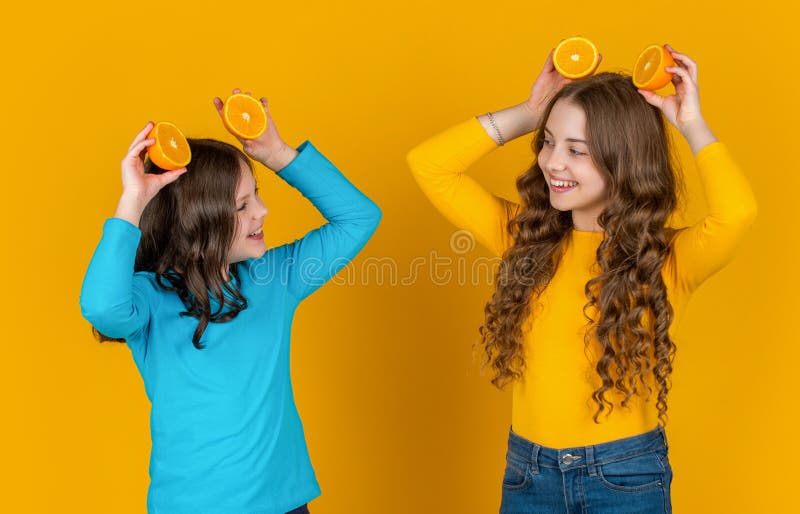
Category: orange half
<point>576,57</point>
<point>649,71</point>
<point>244,116</point>
<point>171,150</point>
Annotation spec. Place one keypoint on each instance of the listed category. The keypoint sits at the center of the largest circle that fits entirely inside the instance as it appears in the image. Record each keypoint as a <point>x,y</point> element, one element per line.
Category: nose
<point>554,161</point>
<point>261,210</point>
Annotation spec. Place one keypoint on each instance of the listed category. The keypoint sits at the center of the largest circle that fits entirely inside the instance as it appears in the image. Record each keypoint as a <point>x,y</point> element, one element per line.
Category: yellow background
<point>398,417</point>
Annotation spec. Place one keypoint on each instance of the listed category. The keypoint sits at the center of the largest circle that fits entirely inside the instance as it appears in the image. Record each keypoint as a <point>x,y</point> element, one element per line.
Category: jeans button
<point>569,458</point>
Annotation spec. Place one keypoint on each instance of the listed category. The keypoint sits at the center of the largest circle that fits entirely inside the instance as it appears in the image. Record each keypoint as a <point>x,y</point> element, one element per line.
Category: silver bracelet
<point>497,130</point>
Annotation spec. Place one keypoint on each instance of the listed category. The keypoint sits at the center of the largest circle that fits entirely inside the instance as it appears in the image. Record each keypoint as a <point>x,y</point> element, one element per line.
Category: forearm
<point>698,135</point>
<point>512,122</point>
<point>279,158</point>
<point>438,165</point>
<point>320,181</point>
<point>130,208</point>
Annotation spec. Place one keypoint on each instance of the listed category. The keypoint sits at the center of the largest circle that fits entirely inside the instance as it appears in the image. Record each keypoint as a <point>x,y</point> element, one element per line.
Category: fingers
<point>141,135</point>
<point>169,176</point>
<point>136,149</point>
<point>681,74</point>
<point>653,99</point>
<point>685,61</point>
<point>548,63</point>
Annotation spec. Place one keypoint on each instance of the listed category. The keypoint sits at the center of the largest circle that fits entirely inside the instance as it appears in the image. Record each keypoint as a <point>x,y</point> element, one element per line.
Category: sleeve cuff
<point>710,149</point>
<point>121,226</point>
<point>307,154</point>
<point>308,169</point>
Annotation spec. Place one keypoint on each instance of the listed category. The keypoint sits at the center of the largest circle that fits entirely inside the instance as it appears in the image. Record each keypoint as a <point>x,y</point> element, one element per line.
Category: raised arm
<point>438,164</point>
<point>307,263</point>
<point>352,219</point>
<point>704,248</point>
<point>110,299</point>
<point>707,246</point>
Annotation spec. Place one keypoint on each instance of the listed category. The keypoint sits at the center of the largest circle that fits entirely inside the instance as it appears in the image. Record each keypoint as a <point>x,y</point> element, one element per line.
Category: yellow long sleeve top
<point>552,404</point>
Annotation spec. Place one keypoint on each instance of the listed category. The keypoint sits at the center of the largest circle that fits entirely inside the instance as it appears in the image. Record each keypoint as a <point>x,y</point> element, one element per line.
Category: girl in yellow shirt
<point>592,280</point>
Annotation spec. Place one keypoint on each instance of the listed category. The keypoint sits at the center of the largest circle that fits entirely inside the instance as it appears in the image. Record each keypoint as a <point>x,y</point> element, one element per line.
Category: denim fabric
<point>624,476</point>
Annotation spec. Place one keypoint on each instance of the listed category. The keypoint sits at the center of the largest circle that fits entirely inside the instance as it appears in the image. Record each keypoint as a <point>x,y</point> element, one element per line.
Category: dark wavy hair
<point>627,308</point>
<point>187,231</point>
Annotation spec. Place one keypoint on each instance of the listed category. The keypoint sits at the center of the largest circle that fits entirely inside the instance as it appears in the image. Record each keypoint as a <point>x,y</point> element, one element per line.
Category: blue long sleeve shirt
<point>226,435</point>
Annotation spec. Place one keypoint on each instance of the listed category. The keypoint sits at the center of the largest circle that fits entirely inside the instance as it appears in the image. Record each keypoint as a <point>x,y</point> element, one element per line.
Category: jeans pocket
<point>634,474</point>
<point>517,474</point>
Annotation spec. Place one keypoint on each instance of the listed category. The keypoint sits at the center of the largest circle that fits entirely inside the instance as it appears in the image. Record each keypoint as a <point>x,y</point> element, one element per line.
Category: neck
<point>585,222</point>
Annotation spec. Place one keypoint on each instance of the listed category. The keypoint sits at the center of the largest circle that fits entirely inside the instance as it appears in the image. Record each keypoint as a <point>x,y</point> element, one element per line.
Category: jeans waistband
<point>585,456</point>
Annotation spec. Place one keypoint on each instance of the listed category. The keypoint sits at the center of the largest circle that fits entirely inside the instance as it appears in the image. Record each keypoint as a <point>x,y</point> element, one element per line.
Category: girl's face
<point>250,212</point>
<point>575,183</point>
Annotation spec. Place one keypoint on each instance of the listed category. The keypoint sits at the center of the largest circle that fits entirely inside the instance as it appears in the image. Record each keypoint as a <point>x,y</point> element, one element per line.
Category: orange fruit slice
<point>171,150</point>
<point>575,57</point>
<point>244,116</point>
<point>649,72</point>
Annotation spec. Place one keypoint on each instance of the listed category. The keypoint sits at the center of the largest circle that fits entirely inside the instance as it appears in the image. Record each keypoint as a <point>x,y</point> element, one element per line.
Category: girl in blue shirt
<point>181,274</point>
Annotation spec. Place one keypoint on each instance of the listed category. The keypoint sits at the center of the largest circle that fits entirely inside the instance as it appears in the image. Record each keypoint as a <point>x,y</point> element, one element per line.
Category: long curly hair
<point>627,309</point>
<point>187,231</point>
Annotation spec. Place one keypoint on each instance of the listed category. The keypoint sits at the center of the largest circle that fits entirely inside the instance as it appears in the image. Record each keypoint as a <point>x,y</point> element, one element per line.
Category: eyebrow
<point>247,195</point>
<point>568,139</point>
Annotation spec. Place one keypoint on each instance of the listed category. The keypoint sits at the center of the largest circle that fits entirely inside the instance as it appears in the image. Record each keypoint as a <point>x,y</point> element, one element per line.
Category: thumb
<point>652,98</point>
<point>171,176</point>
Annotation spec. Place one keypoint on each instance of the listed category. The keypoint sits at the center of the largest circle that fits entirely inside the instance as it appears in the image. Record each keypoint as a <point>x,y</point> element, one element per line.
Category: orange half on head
<point>649,71</point>
<point>171,150</point>
<point>244,116</point>
<point>576,57</point>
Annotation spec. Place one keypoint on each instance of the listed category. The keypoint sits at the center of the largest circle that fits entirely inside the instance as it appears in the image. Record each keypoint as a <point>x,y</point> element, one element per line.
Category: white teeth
<point>255,233</point>
<point>564,183</point>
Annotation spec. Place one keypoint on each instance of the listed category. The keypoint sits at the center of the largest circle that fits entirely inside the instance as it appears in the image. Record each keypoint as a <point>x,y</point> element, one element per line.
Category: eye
<point>243,207</point>
<point>547,142</point>
<point>575,152</point>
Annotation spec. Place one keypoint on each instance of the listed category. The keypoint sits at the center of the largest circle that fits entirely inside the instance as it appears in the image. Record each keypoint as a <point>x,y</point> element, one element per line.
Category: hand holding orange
<point>649,72</point>
<point>171,150</point>
<point>244,116</point>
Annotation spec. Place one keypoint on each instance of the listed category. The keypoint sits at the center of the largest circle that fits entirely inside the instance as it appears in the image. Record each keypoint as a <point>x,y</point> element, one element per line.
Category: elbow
<point>114,322</point>
<point>747,214</point>
<point>102,321</point>
<point>373,216</point>
<point>752,212</point>
<point>415,158</point>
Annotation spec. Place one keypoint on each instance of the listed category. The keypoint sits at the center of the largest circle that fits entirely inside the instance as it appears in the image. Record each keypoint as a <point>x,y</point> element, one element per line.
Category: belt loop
<point>590,465</point>
<point>535,459</point>
<point>663,436</point>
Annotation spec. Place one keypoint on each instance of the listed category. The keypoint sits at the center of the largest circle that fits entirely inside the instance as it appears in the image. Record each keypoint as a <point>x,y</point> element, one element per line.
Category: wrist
<point>694,126</point>
<point>698,134</point>
<point>130,207</point>
<point>280,157</point>
<point>531,109</point>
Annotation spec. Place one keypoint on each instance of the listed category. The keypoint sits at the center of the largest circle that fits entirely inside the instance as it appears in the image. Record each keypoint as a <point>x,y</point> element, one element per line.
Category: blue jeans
<point>624,476</point>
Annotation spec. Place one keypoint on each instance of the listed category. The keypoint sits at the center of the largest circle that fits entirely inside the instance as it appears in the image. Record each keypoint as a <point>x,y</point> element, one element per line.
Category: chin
<point>560,207</point>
